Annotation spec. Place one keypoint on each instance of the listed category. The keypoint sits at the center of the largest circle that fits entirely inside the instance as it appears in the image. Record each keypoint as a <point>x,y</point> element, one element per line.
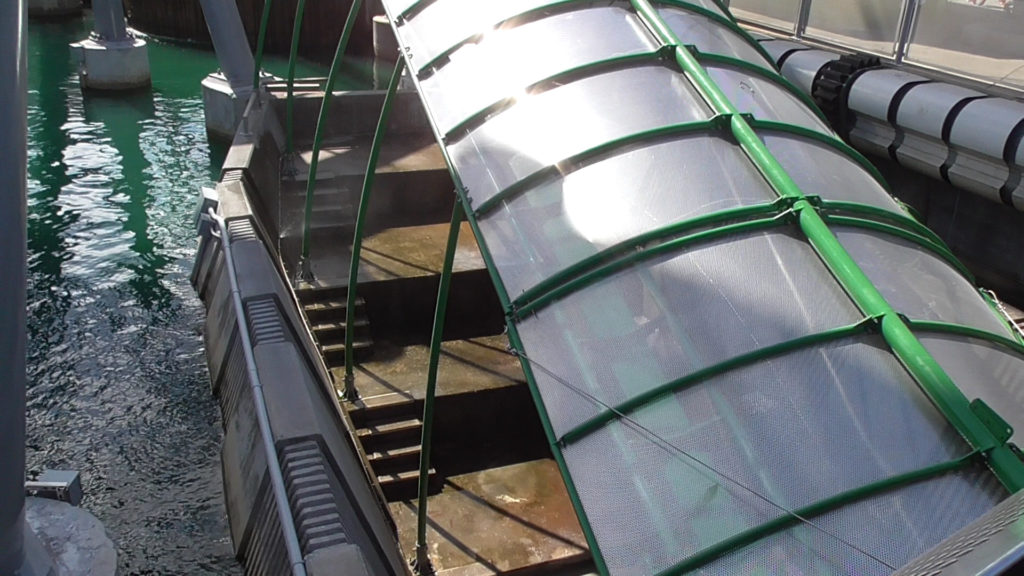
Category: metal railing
<point>280,493</point>
<point>932,34</point>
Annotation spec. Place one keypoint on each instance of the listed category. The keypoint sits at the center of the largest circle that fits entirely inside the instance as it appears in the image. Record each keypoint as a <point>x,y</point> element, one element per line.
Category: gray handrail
<point>284,511</point>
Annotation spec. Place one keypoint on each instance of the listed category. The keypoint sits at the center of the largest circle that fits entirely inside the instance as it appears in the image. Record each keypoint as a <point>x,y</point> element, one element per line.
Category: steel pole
<point>13,248</point>
<point>108,20</point>
<point>423,565</point>
<point>230,43</point>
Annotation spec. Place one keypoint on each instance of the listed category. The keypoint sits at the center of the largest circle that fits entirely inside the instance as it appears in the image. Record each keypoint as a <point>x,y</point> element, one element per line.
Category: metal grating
<point>307,477</point>
<point>265,323</point>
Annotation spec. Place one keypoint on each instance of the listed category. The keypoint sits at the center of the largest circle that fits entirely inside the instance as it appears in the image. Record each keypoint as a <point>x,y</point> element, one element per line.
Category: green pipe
<point>573,162</point>
<point>563,77</point>
<point>901,220</point>
<point>938,249</point>
<point>321,127</point>
<point>669,247</point>
<point>293,54</point>
<point>709,372</point>
<point>631,245</point>
<point>1010,344</point>
<point>556,450</point>
<point>357,237</point>
<point>936,384</point>
<point>436,338</point>
<point>264,21</point>
<point>794,517</point>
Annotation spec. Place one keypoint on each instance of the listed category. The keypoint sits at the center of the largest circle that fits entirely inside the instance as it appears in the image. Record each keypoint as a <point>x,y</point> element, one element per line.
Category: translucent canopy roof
<point>745,352</point>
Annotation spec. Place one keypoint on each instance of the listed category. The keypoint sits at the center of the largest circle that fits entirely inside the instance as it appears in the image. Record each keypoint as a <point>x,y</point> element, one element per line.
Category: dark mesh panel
<point>918,283</point>
<point>549,228</point>
<point>669,317</point>
<point>584,114</point>
<point>793,431</point>
<point>507,61</point>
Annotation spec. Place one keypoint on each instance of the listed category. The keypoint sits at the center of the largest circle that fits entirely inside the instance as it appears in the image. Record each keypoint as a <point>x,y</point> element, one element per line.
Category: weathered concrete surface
<point>466,366</point>
<point>499,520</point>
<point>112,65</point>
<point>74,538</point>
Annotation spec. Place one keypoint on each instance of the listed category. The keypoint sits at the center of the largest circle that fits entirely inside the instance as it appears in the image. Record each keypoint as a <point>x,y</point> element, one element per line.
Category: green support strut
<point>357,238</point>
<point>300,10</point>
<point>264,21</point>
<point>318,136</point>
<point>423,565</point>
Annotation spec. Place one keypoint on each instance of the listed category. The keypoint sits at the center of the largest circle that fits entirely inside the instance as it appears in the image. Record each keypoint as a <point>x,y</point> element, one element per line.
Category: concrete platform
<point>513,519</point>
<point>398,372</point>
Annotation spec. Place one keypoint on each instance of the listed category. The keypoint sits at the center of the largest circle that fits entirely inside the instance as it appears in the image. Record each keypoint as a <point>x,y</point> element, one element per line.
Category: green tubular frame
<point>436,335</point>
<point>633,250</point>
<point>936,384</point>
<point>545,10</point>
<point>264,22</point>
<point>553,171</point>
<point>321,126</point>
<point>293,55</point>
<point>960,330</point>
<point>794,517</point>
<point>357,236</point>
<point>795,208</point>
<point>583,71</point>
<point>704,374</point>
<point>517,345</point>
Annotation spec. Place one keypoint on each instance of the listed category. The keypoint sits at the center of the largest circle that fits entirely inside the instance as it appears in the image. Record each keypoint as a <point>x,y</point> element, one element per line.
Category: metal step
<point>405,486</point>
<point>334,354</point>
<point>396,407</point>
<point>381,435</point>
<point>395,460</point>
<point>333,332</point>
<point>332,310</point>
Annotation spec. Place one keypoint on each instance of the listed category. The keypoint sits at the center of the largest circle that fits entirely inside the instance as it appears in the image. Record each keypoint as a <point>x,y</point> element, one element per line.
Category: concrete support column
<point>226,92</point>
<point>54,8</point>
<point>12,285</point>
<point>111,58</point>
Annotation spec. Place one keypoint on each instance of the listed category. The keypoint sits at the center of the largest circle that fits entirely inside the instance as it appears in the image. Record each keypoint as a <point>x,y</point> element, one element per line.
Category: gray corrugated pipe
<point>951,133</point>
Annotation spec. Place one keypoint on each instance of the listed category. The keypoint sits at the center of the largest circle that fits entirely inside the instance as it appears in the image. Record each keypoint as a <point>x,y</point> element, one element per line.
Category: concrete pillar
<point>111,58</point>
<point>54,8</point>
<point>12,285</point>
<point>226,92</point>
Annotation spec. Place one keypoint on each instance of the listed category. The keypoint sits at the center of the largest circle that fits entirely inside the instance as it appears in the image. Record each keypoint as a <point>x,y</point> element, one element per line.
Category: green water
<point>118,382</point>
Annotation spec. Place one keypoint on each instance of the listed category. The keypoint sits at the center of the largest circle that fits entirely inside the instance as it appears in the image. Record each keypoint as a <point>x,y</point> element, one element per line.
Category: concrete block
<point>76,541</point>
<point>112,65</point>
<point>223,106</point>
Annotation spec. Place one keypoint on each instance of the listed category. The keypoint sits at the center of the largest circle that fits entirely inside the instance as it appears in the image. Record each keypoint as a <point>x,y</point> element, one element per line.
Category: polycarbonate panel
<point>869,25</point>
<point>791,431</point>
<point>983,370</point>
<point>918,283</point>
<point>548,228</point>
<point>821,170</point>
<point>781,14</point>
<point>980,40</point>
<point>764,98</point>
<point>445,23</point>
<point>508,60</point>
<point>545,128</point>
<point>874,536</point>
<point>711,37</point>
<point>666,318</point>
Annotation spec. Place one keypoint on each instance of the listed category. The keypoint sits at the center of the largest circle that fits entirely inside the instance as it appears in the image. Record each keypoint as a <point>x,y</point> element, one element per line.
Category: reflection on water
<point>118,382</point>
